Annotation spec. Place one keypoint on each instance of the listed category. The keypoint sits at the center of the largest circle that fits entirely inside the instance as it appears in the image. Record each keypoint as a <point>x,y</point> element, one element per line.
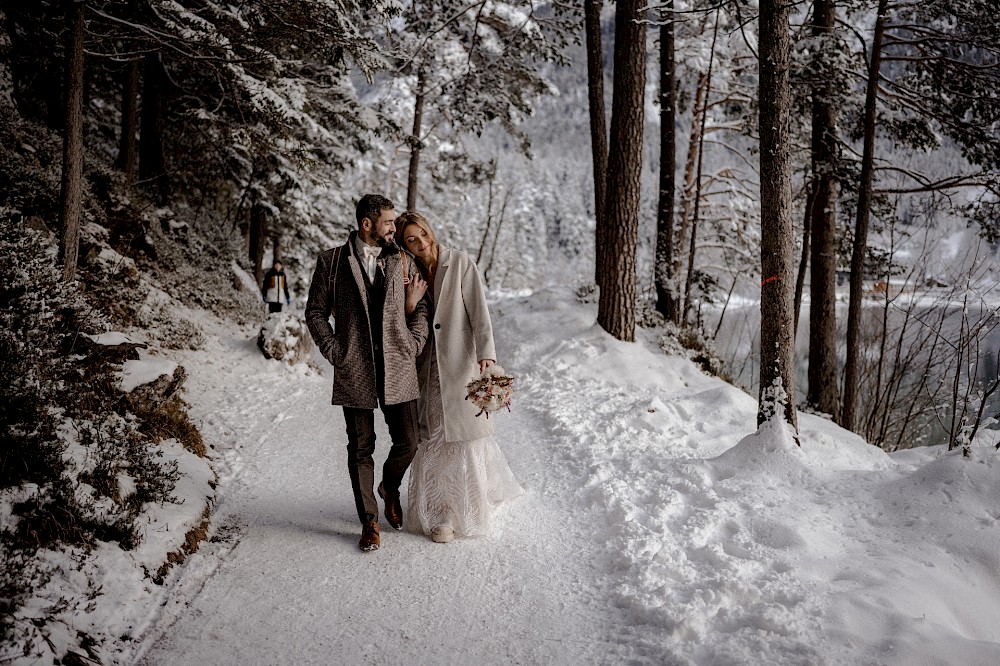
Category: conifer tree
<point>616,307</point>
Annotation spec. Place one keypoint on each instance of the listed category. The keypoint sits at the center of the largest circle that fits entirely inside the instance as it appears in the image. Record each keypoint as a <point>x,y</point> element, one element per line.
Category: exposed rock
<point>285,337</point>
<point>113,347</point>
<point>153,394</point>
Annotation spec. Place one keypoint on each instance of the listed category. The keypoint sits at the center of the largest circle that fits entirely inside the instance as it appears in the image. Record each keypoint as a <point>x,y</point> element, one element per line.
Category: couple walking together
<point>411,330</point>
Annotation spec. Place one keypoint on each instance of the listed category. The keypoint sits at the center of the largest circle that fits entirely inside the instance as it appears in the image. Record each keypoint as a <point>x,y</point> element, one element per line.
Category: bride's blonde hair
<point>412,217</point>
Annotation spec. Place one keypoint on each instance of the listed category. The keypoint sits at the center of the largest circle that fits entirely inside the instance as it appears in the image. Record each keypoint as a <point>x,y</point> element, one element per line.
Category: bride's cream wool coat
<point>463,334</point>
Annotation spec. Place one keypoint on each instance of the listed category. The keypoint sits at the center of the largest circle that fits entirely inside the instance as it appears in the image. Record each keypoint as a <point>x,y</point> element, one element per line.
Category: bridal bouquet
<point>492,391</point>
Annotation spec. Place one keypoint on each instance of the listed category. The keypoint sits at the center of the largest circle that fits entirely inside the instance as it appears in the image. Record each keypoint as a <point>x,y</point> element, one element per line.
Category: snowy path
<point>658,528</point>
<point>282,580</point>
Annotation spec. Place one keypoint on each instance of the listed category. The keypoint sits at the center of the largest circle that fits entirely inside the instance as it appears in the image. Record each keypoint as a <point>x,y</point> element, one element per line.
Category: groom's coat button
<point>437,325</point>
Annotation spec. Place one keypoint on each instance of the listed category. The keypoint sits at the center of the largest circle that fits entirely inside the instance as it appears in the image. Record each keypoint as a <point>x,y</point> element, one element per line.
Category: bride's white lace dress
<point>459,484</point>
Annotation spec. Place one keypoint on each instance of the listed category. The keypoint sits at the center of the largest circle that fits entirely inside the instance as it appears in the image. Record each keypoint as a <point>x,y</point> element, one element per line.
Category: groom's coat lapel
<point>358,278</point>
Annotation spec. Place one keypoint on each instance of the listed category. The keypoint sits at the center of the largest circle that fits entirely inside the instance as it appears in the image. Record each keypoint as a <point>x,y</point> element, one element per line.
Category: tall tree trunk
<point>126,161</point>
<point>688,193</point>
<point>777,339</point>
<point>71,193</point>
<point>666,290</point>
<point>800,279</point>
<point>129,126</point>
<point>859,250</point>
<point>151,162</point>
<point>415,142</point>
<point>616,308</point>
<point>257,231</point>
<point>822,392</point>
<point>598,137</point>
<point>689,280</point>
<point>276,250</point>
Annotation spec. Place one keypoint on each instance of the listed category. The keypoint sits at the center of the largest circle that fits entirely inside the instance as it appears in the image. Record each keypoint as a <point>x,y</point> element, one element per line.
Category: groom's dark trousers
<point>401,418</point>
<point>404,430</point>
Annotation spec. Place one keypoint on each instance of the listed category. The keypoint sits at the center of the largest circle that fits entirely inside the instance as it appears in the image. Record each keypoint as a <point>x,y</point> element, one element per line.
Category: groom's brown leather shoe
<point>393,509</point>
<point>369,536</point>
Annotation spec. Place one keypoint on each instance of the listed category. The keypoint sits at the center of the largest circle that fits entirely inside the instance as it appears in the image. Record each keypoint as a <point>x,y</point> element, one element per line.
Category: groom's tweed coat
<point>349,347</point>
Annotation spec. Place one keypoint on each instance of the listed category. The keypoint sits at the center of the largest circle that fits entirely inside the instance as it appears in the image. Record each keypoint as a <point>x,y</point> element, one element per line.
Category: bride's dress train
<point>458,484</point>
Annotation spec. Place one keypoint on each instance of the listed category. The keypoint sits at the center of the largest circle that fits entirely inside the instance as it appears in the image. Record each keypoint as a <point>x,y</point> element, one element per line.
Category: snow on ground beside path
<point>658,527</point>
<point>741,548</point>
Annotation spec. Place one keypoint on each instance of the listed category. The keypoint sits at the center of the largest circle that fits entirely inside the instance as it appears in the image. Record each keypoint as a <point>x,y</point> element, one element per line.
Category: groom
<point>373,350</point>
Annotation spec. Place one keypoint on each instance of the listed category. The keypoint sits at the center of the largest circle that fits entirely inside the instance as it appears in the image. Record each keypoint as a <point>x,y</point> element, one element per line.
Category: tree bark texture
<point>598,125</point>
<point>777,339</point>
<point>860,247</point>
<point>276,247</point>
<point>800,279</point>
<point>616,307</point>
<point>696,215</point>
<point>126,162</point>
<point>822,392</point>
<point>666,290</point>
<point>257,232</point>
<point>688,193</point>
<point>151,162</point>
<point>71,191</point>
<point>415,142</point>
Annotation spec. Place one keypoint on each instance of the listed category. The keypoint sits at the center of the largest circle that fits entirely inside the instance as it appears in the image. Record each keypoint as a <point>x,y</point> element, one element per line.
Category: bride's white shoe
<point>442,534</point>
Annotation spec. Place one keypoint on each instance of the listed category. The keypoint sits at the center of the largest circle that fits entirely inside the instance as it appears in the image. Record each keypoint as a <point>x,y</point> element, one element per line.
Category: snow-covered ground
<point>658,526</point>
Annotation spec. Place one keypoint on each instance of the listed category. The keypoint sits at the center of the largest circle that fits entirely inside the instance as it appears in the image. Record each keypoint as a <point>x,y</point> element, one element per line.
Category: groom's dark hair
<point>371,206</point>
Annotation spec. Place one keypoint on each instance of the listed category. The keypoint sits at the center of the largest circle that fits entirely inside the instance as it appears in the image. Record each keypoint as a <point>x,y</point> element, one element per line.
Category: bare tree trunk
<point>151,161</point>
<point>777,339</point>
<point>489,223</point>
<point>800,279</point>
<point>71,194</point>
<point>822,392</point>
<point>130,121</point>
<point>415,142</point>
<point>258,229</point>
<point>859,250</point>
<point>276,247</point>
<point>690,179</point>
<point>598,138</point>
<point>689,281</point>
<point>129,126</point>
<point>666,289</point>
<point>616,308</point>
<point>496,238</point>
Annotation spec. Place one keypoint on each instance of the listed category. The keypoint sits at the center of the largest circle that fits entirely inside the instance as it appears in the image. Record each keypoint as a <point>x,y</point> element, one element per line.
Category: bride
<point>459,475</point>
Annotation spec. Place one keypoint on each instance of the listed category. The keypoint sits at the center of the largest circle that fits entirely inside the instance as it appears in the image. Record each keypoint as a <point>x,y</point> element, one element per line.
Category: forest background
<point>824,168</point>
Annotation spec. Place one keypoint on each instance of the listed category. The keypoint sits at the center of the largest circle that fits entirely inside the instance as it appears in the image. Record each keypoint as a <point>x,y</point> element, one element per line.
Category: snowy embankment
<point>742,548</point>
<point>657,527</point>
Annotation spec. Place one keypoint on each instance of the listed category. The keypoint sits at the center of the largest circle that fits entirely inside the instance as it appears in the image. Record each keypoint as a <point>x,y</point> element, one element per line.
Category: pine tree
<point>598,126</point>
<point>466,66</point>
<point>777,339</point>
<point>616,307</point>
<point>72,163</point>
<point>822,212</point>
<point>666,300</point>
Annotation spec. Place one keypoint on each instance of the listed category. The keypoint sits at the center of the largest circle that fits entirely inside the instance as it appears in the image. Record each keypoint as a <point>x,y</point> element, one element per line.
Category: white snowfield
<point>657,527</point>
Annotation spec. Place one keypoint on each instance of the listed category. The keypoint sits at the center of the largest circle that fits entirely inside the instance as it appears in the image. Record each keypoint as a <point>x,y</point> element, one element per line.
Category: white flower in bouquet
<point>492,391</point>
